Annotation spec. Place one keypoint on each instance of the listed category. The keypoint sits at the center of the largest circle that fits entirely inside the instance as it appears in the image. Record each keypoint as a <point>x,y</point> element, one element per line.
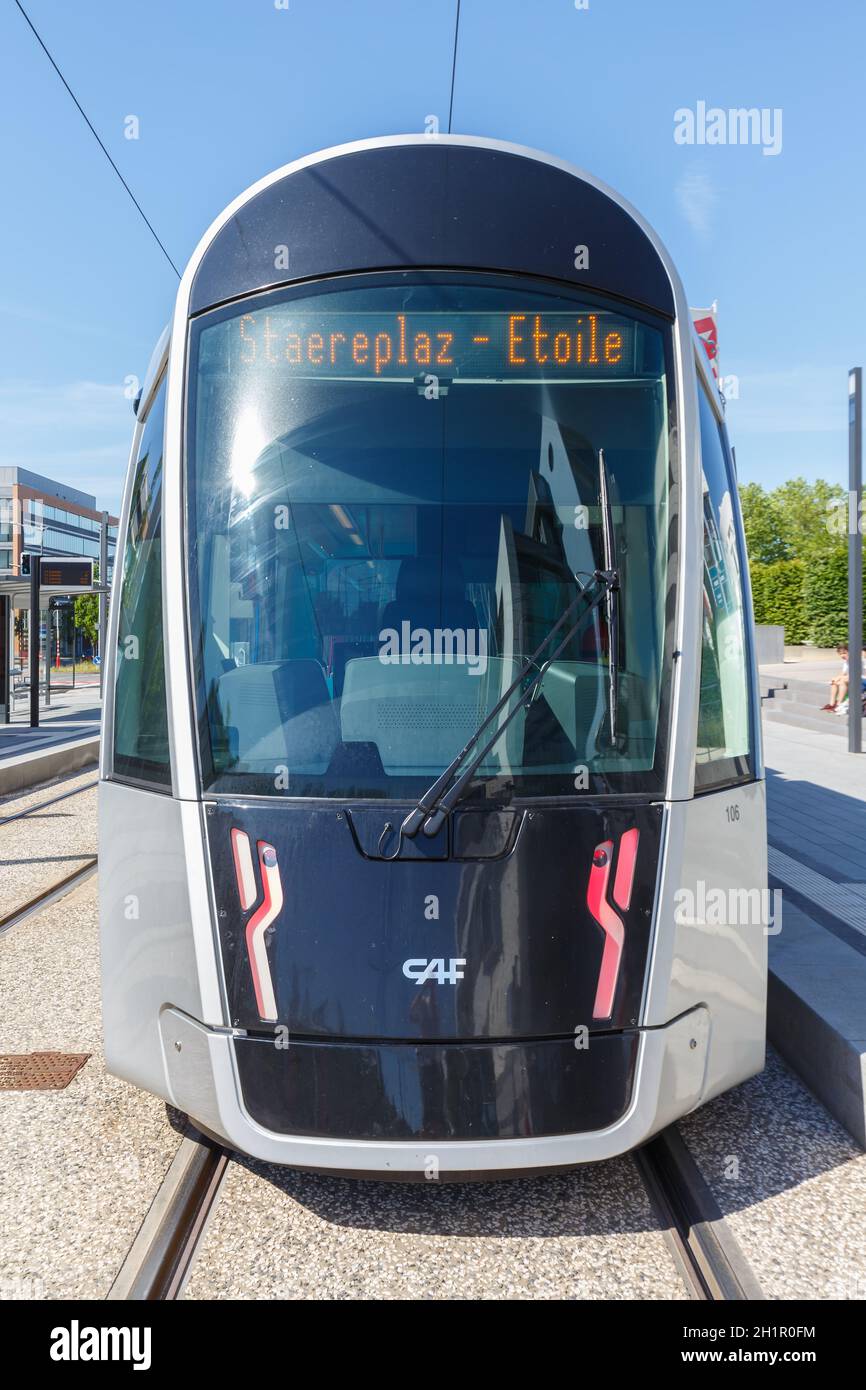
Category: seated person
<point>839,684</point>
<point>842,706</point>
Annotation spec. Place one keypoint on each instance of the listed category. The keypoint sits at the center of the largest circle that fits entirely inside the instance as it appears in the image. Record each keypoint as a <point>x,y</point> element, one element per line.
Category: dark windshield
<point>393,487</point>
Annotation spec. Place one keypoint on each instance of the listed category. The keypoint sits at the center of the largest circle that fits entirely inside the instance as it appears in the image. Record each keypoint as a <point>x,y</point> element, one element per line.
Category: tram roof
<point>430,201</point>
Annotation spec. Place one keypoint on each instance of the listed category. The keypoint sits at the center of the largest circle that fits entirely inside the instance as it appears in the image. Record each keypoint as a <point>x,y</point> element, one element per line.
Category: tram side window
<point>141,750</point>
<point>724,752</point>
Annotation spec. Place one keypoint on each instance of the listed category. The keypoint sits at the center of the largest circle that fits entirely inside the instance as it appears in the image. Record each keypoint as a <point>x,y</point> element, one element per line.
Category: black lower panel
<point>437,1091</point>
<point>516,920</point>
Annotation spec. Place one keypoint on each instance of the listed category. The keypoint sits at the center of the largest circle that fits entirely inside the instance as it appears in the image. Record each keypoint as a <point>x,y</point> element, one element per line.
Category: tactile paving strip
<point>39,1071</point>
<point>836,898</point>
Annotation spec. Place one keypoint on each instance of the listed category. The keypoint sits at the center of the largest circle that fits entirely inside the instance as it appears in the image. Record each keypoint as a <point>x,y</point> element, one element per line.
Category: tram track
<point>27,863</point>
<point>706,1254</point>
<point>707,1257</point>
<point>161,1256</point>
<point>41,900</point>
<point>43,805</point>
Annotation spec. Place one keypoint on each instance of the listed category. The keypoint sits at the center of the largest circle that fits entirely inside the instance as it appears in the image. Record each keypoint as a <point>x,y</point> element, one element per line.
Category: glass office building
<point>44,516</point>
<point>41,515</point>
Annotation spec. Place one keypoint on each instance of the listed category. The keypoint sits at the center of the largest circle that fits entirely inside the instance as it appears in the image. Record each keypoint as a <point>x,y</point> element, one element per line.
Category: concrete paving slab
<point>278,1233</point>
<point>816,800</point>
<point>42,848</point>
<point>13,802</point>
<point>789,1181</point>
<point>80,1167</point>
<point>22,767</point>
<point>839,899</point>
<point>816,1017</point>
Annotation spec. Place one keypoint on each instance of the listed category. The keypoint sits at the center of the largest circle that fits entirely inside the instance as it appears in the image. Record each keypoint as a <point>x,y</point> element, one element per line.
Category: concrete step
<point>807,707</point>
<point>816,692</point>
<point>821,723</point>
<point>816,1013</point>
<point>25,765</point>
<point>769,687</point>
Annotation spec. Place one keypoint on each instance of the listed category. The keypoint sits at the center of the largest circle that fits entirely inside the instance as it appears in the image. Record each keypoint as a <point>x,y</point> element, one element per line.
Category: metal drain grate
<point>39,1071</point>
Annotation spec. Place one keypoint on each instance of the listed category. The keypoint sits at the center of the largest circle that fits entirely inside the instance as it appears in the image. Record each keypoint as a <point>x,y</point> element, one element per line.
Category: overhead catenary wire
<point>454,66</point>
<point>96,137</point>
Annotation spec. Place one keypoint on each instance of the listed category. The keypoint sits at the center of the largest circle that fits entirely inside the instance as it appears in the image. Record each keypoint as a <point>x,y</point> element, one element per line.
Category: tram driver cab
<point>449,681</point>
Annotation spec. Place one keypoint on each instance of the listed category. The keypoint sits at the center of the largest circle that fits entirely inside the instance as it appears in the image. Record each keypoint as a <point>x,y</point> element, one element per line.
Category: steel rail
<point>708,1258</point>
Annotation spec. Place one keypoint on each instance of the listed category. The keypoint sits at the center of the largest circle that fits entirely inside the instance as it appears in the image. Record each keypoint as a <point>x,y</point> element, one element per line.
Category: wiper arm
<point>606,579</point>
<point>611,598</point>
<point>426,802</point>
<point>437,802</point>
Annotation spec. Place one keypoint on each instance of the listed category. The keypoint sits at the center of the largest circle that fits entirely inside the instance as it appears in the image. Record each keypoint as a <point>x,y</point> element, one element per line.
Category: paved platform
<point>66,740</point>
<point>816,822</point>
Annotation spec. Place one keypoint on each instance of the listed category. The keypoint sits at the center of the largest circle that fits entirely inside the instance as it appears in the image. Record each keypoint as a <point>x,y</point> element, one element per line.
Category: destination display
<point>59,572</point>
<point>455,345</point>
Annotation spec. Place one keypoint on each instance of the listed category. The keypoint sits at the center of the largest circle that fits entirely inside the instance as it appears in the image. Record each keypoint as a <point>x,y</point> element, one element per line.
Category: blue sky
<point>226,90</point>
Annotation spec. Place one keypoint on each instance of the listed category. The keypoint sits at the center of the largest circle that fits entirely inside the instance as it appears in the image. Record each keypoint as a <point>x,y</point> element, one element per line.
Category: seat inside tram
<point>300,671</point>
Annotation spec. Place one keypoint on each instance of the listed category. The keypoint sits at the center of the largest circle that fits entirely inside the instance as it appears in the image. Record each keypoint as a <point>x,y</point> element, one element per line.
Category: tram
<point>432,722</point>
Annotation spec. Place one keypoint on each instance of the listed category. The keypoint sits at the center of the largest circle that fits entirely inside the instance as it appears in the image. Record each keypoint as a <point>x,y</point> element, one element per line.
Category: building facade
<point>46,517</point>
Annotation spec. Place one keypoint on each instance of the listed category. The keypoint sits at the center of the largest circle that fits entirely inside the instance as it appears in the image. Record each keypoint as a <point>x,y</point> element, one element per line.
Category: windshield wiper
<point>611,598</point>
<point>437,802</point>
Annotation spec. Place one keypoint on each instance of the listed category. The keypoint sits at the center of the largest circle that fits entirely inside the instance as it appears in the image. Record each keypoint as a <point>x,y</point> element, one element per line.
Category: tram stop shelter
<point>42,578</point>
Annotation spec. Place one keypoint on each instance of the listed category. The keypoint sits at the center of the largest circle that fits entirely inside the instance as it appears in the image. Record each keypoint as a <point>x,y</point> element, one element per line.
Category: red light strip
<point>244,872</point>
<point>611,925</point>
<point>258,924</point>
<point>625,864</point>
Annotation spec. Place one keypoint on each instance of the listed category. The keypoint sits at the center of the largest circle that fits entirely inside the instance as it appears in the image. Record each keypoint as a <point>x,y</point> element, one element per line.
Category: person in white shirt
<point>839,684</point>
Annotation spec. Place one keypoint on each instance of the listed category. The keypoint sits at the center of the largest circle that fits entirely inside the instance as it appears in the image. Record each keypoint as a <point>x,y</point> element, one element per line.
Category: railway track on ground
<point>60,887</point>
<point>162,1254</point>
<point>708,1258</point>
<point>52,801</point>
<point>48,895</point>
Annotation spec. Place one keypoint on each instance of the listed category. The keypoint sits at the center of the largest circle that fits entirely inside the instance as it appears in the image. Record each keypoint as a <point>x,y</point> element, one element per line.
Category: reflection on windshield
<point>374,564</point>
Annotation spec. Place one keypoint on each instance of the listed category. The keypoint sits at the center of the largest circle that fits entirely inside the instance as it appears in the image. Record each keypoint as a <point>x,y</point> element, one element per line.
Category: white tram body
<point>423,402</point>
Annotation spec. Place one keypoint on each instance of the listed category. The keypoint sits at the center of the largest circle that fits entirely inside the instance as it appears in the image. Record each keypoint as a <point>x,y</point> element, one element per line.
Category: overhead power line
<point>454,65</point>
<point>90,127</point>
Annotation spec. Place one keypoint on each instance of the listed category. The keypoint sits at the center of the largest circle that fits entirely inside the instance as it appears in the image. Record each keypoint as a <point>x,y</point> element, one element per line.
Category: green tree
<point>807,513</point>
<point>825,592</point>
<point>762,523</point>
<point>796,548</point>
<point>87,615</point>
<point>777,597</point>
<point>87,612</point>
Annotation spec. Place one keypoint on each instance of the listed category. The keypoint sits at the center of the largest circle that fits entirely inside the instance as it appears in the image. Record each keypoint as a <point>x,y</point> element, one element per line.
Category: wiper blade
<point>438,801</point>
<point>426,802</point>
<point>611,598</point>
